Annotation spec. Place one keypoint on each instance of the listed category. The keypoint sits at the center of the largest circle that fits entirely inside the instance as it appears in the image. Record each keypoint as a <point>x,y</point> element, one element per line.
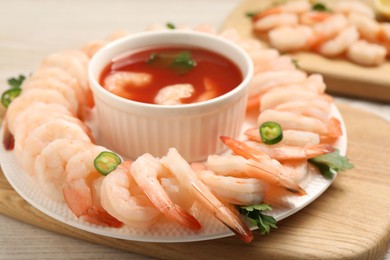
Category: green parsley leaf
<point>331,163</point>
<point>296,64</point>
<point>320,7</point>
<point>251,14</point>
<point>16,82</point>
<point>171,26</point>
<point>255,215</point>
<point>180,62</point>
<point>14,91</point>
<point>184,59</point>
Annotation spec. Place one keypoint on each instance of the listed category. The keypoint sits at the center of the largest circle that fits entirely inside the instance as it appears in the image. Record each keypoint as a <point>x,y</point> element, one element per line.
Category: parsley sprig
<point>331,163</point>
<point>255,215</point>
<point>13,91</point>
<point>320,7</point>
<point>180,62</point>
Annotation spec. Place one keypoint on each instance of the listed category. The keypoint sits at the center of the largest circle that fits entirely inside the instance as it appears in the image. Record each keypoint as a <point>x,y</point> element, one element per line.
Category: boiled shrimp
<point>46,133</point>
<point>262,82</point>
<point>257,164</point>
<point>286,94</point>
<point>210,87</point>
<point>81,189</point>
<point>313,17</point>
<point>174,94</point>
<point>338,45</point>
<point>146,171</point>
<point>330,27</point>
<point>234,190</point>
<point>290,137</point>
<point>64,77</point>
<point>290,120</point>
<point>119,82</point>
<point>75,62</point>
<point>54,84</point>
<point>280,63</point>
<point>35,116</point>
<point>282,152</point>
<point>122,198</point>
<point>368,28</point>
<point>179,167</point>
<point>50,165</point>
<point>296,7</point>
<point>310,108</point>
<point>24,101</point>
<point>291,38</point>
<point>272,21</point>
<point>347,7</point>
<point>365,53</point>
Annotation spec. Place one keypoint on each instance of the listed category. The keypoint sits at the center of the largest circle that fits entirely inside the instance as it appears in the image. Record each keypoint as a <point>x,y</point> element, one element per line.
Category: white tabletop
<point>30,29</point>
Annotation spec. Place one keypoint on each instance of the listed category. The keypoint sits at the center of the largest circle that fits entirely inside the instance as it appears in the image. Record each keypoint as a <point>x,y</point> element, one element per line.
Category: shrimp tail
<point>235,224</point>
<point>101,217</point>
<point>266,13</point>
<point>282,181</point>
<point>223,213</point>
<point>79,200</point>
<point>264,171</point>
<point>8,138</point>
<point>78,197</point>
<point>334,131</point>
<point>317,150</point>
<point>181,216</point>
<point>240,148</point>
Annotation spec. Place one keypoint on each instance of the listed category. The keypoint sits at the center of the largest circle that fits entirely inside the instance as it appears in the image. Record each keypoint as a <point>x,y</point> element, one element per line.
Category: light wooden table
<point>30,29</point>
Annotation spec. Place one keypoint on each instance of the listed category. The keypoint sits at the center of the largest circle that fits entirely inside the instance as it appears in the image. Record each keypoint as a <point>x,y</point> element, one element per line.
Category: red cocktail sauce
<point>212,75</point>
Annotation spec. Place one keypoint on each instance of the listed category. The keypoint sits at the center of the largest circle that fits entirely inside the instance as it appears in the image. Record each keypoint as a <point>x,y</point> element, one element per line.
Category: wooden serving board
<point>342,77</point>
<point>350,220</point>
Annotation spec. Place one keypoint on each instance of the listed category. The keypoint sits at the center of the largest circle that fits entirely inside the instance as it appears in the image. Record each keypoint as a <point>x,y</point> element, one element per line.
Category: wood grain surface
<point>351,220</point>
<point>342,77</point>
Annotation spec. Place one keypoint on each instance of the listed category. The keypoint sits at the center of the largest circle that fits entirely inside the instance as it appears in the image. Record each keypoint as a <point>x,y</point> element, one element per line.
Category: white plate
<point>28,189</point>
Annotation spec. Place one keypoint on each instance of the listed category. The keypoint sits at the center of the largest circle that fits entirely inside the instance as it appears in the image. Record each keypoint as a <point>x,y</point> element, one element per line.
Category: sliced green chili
<point>271,132</point>
<point>106,162</point>
<point>170,26</point>
<point>9,95</point>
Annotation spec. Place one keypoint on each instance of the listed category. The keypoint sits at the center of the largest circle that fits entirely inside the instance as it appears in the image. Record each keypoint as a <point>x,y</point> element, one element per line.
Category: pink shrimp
<point>146,171</point>
<point>296,7</point>
<point>122,198</point>
<point>81,189</point>
<point>284,152</point>
<point>290,137</point>
<point>263,166</point>
<point>188,178</point>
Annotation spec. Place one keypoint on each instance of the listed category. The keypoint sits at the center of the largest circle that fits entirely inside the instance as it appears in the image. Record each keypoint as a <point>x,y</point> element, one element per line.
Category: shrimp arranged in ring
<point>57,148</point>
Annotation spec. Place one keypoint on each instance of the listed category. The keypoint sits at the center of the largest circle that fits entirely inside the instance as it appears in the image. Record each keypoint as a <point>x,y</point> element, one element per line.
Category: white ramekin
<point>134,128</point>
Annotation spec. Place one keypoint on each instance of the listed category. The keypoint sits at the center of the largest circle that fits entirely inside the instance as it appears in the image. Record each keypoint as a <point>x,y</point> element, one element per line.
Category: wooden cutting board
<point>342,77</point>
<point>350,220</point>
